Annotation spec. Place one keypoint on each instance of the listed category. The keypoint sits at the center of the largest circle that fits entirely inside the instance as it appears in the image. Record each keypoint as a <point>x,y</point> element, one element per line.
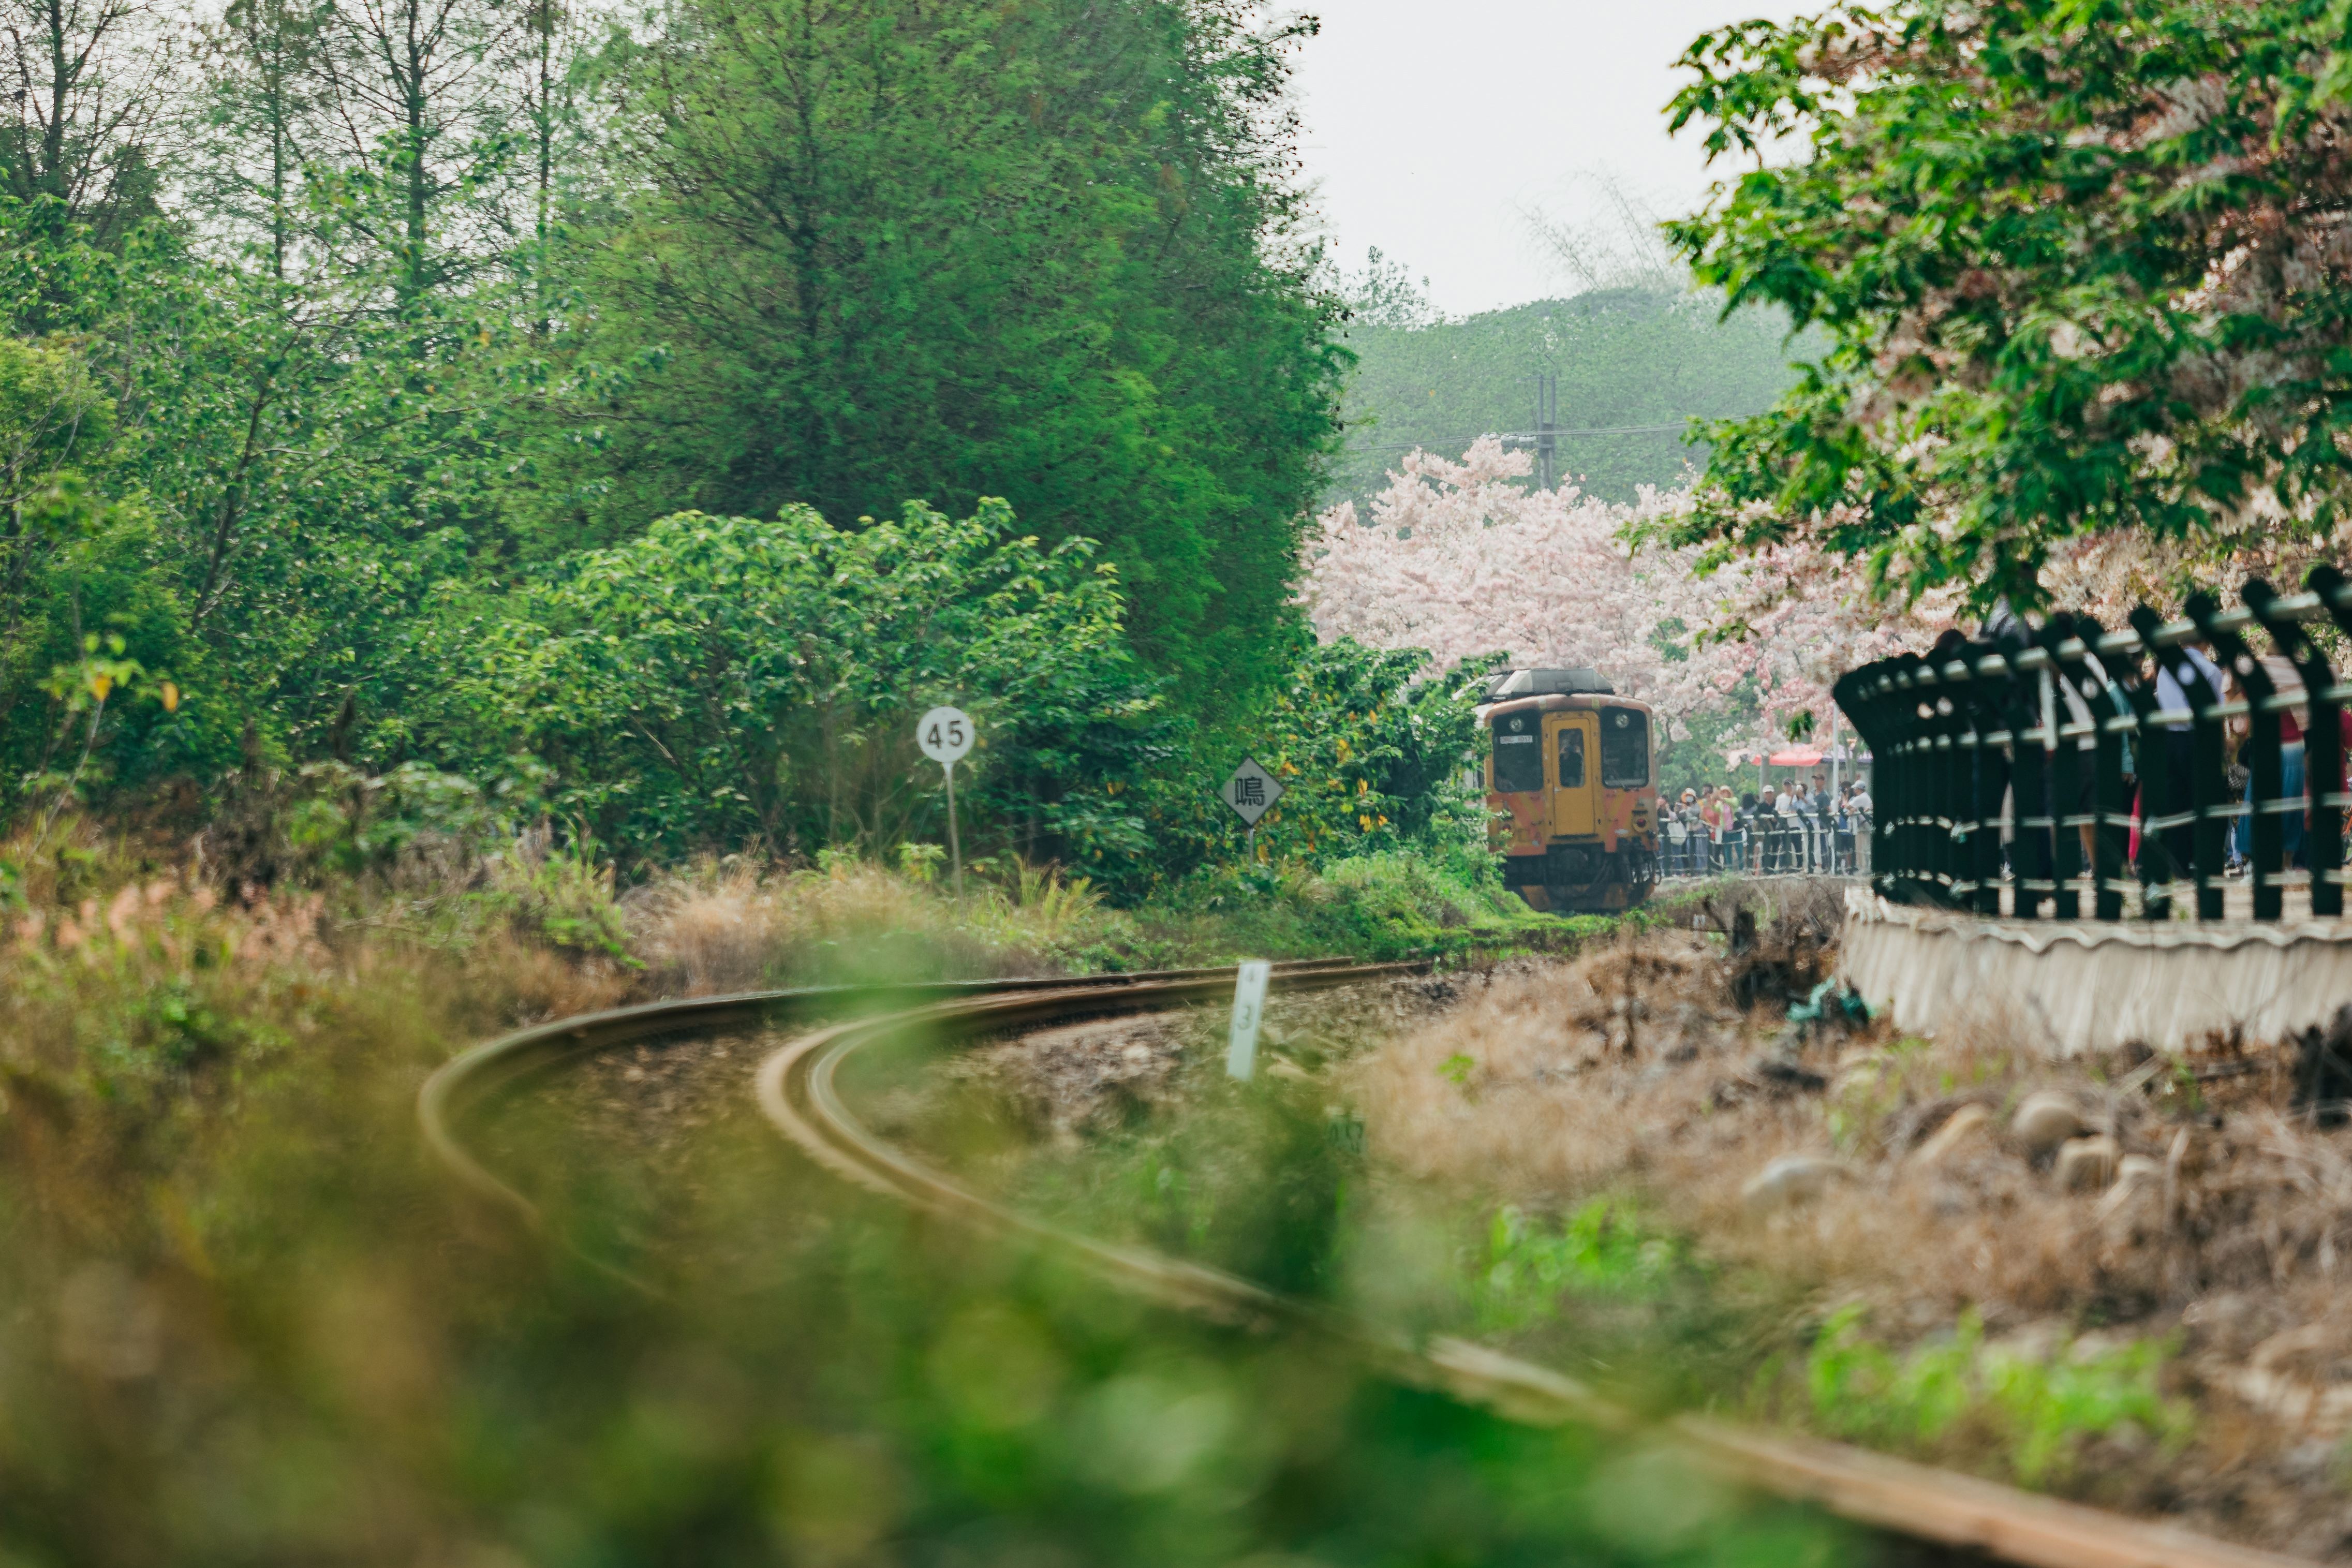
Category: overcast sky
<point>1430,129</point>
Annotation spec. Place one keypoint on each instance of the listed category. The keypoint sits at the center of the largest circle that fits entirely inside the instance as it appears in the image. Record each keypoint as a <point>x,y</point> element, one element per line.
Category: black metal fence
<point>2079,769</point>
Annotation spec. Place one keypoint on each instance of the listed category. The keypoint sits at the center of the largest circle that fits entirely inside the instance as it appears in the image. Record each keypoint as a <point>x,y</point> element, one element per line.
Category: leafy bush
<point>1599,1248</point>
<point>719,680</point>
<point>2039,1405</point>
<point>1374,753</point>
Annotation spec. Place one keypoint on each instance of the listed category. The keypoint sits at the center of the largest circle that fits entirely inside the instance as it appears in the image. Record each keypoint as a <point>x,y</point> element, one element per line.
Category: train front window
<point>1624,748</point>
<point>1518,753</point>
<point>1571,758</point>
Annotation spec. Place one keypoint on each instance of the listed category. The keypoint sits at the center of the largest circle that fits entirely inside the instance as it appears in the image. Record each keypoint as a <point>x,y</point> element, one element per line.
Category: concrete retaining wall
<point>2074,986</point>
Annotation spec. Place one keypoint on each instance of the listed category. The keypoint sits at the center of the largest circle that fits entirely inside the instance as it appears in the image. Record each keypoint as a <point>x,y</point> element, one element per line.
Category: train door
<point>1574,739</point>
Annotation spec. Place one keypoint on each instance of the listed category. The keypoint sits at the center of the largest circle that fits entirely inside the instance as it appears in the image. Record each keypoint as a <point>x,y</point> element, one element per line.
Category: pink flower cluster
<point>1462,560</point>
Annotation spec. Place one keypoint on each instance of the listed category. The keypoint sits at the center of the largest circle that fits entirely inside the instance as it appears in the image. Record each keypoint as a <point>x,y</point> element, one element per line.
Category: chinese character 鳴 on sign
<point>1251,791</point>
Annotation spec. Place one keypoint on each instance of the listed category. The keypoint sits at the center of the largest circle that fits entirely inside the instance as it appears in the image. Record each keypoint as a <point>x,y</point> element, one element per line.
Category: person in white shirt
<point>2179,841</point>
<point>1812,804</point>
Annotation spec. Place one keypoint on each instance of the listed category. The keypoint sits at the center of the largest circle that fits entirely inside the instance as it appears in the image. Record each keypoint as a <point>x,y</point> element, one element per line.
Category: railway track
<point>797,1091</point>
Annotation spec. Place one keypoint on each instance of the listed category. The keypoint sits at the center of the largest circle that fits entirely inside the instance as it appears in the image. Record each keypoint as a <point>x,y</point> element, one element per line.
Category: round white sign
<point>945,734</point>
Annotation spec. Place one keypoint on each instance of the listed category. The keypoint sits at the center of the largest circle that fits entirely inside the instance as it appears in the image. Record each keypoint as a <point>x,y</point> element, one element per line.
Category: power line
<point>1527,437</point>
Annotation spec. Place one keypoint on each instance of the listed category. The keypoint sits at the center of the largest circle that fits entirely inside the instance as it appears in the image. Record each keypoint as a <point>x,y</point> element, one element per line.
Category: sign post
<point>1249,1009</point>
<point>1251,791</point>
<point>946,735</point>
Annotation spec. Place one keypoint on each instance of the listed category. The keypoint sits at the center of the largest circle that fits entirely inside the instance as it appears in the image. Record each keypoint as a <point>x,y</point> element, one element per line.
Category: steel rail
<point>797,1089</point>
<point>469,1082</point>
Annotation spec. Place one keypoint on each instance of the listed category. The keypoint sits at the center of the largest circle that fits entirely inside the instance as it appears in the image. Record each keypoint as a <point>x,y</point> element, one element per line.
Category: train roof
<point>1551,702</point>
<point>1574,680</point>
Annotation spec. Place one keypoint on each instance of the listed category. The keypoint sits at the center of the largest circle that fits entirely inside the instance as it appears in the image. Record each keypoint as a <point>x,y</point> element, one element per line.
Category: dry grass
<point>142,1004</point>
<point>1634,1071</point>
<point>246,1320</point>
<point>737,925</point>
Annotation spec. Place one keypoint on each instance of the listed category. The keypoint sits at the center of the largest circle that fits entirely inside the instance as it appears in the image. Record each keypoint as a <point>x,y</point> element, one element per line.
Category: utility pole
<point>1546,423</point>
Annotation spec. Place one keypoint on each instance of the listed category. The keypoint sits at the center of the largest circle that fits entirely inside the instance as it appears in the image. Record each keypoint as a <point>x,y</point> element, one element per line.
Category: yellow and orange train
<point>1572,780</point>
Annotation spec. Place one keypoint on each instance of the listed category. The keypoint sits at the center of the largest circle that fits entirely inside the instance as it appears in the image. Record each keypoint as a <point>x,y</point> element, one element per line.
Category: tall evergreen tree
<point>1050,251</point>
<point>86,81</point>
<point>260,123</point>
<point>421,100</point>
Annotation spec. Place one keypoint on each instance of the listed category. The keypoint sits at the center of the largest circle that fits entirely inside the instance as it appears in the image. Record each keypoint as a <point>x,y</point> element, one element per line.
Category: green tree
<point>260,121</point>
<point>1626,357</point>
<point>88,84</point>
<point>306,468</point>
<point>1051,251</point>
<point>423,100</point>
<point>717,680</point>
<point>87,602</point>
<point>2078,259</point>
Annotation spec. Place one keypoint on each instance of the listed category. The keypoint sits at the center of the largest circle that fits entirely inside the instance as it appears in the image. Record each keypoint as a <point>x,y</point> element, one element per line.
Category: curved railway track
<point>796,1088</point>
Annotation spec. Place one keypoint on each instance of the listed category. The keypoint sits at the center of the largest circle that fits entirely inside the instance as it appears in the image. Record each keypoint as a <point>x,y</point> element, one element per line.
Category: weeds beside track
<point>796,1088</point>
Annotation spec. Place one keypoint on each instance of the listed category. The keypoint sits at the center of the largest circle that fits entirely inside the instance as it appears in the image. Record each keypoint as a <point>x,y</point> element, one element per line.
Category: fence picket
<point>2005,770</point>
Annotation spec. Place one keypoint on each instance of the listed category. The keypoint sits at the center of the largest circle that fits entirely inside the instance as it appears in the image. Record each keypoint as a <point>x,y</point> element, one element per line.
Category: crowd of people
<point>1808,827</point>
<point>2168,851</point>
<point>1803,827</point>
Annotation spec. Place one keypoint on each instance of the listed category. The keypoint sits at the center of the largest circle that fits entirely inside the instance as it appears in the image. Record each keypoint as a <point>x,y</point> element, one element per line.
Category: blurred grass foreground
<point>242,1320</point>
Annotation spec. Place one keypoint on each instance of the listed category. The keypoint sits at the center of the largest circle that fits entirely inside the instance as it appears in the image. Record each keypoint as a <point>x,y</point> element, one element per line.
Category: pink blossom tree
<point>1460,558</point>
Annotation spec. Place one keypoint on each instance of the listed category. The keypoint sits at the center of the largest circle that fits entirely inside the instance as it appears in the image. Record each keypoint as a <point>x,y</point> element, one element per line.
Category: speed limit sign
<point>945,734</point>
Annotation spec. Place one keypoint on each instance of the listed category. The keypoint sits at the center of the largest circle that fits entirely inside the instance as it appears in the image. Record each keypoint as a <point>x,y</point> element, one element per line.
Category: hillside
<point>1626,356</point>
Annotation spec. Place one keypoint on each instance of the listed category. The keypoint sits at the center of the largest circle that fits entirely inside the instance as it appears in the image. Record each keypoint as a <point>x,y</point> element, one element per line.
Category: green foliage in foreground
<point>1599,1250</point>
<point>2075,263</point>
<point>1602,1287</point>
<point>2040,1406</point>
<point>213,1204</point>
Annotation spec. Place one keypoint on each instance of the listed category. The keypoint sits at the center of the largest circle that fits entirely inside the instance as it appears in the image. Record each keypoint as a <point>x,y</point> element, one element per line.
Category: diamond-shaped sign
<point>1252,791</point>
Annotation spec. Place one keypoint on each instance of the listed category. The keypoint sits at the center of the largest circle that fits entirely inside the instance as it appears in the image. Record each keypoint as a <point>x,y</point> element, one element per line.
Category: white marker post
<point>1251,791</point>
<point>1249,1009</point>
<point>946,735</point>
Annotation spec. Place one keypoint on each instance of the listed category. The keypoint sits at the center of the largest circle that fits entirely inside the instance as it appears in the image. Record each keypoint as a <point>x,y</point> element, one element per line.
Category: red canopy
<point>1795,757</point>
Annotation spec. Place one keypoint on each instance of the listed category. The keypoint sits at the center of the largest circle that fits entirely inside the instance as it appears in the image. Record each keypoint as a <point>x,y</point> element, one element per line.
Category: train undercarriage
<point>1582,878</point>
